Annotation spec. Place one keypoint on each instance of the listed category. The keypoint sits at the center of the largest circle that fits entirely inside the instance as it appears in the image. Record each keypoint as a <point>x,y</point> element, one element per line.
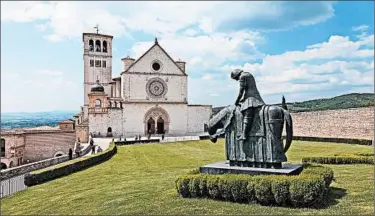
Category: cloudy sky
<point>303,50</point>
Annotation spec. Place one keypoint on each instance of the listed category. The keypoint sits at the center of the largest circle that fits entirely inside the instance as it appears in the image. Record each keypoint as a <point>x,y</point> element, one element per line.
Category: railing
<point>98,110</point>
<point>26,168</point>
<point>12,185</point>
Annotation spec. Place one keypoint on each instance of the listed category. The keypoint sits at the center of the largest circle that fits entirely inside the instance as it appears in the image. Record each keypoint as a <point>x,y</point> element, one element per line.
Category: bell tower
<point>97,59</point>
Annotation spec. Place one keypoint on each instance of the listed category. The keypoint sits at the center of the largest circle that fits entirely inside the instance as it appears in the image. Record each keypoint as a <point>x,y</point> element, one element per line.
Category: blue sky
<point>303,50</point>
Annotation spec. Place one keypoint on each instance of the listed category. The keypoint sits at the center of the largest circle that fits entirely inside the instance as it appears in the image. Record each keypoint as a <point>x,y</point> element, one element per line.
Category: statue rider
<point>251,99</point>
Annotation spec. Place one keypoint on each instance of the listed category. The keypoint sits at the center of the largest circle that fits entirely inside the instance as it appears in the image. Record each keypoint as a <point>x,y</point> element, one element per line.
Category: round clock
<point>156,88</point>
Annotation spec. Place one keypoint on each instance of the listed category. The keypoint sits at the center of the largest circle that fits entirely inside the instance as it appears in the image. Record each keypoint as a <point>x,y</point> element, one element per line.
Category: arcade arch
<point>156,120</point>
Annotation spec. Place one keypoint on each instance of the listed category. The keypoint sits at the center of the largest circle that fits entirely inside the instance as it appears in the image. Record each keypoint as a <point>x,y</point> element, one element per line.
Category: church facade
<point>149,96</point>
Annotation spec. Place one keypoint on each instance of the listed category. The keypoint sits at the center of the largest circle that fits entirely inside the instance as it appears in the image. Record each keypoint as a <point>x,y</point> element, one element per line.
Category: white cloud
<point>25,11</point>
<point>361,28</point>
<point>207,52</point>
<point>70,19</point>
<point>342,63</point>
<point>213,40</point>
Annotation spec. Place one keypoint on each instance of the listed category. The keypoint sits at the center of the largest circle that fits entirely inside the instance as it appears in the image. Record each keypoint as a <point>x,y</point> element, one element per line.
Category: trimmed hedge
<point>306,189</point>
<point>51,173</point>
<point>334,140</point>
<point>342,159</point>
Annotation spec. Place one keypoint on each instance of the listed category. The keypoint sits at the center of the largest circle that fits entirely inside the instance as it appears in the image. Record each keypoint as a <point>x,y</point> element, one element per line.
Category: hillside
<point>346,101</point>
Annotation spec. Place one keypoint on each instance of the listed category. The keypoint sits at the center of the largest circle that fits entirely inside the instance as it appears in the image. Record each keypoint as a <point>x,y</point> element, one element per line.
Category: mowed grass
<point>140,179</point>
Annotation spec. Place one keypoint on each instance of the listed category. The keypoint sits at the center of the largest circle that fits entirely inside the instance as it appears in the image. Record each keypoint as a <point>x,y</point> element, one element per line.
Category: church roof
<point>155,44</point>
<point>97,87</point>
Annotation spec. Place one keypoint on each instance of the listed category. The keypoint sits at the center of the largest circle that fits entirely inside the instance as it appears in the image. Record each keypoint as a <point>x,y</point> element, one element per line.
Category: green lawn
<point>139,179</point>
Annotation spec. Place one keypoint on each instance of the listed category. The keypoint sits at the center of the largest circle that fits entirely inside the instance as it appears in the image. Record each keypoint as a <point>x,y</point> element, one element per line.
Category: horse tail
<point>289,129</point>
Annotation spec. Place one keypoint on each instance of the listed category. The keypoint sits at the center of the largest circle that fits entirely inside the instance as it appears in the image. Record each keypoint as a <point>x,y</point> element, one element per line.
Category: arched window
<point>2,147</point>
<point>109,130</point>
<point>91,45</point>
<point>98,103</point>
<point>97,46</point>
<point>11,164</point>
<point>105,46</point>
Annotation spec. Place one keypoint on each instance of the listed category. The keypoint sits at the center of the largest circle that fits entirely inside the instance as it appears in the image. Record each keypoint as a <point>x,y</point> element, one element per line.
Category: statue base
<point>223,167</point>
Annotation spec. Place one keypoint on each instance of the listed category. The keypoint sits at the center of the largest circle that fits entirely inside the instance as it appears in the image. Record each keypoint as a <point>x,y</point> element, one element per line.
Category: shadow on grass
<point>331,198</point>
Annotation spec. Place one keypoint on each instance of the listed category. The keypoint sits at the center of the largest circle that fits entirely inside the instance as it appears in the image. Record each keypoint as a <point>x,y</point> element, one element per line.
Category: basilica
<point>149,96</point>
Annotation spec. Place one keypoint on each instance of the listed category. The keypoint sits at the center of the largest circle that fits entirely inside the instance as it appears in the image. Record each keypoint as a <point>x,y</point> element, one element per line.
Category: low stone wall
<point>26,168</point>
<point>48,175</point>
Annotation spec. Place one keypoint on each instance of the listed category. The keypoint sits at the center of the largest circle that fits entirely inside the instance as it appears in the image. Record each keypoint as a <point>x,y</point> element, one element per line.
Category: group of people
<point>78,148</point>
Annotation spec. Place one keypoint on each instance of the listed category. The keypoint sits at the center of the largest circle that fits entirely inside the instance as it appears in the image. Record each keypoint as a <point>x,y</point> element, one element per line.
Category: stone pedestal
<point>224,168</point>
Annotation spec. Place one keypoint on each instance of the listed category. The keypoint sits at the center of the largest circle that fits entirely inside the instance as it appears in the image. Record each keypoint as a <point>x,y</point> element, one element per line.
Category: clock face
<point>156,88</point>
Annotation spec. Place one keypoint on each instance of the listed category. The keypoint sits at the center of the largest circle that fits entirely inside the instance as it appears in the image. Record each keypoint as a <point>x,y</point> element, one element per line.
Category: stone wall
<point>45,144</point>
<point>82,132</point>
<point>198,115</point>
<point>355,123</point>
<point>101,122</point>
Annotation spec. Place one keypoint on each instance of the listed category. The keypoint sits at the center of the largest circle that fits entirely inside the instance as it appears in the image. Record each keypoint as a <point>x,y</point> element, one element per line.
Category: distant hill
<point>37,119</point>
<point>346,101</point>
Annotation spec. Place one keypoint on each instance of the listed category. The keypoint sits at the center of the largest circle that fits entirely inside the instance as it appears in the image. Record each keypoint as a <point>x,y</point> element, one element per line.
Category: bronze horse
<point>264,147</point>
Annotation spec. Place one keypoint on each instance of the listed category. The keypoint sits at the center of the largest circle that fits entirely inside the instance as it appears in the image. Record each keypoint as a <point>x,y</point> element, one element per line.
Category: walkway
<point>102,142</point>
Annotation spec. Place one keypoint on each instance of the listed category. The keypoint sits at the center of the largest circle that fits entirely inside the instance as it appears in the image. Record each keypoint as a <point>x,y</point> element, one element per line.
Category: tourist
<point>78,148</point>
<point>93,149</point>
<point>99,150</point>
<point>70,154</point>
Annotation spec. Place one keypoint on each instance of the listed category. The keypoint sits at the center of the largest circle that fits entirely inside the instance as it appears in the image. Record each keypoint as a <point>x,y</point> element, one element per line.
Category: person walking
<point>78,148</point>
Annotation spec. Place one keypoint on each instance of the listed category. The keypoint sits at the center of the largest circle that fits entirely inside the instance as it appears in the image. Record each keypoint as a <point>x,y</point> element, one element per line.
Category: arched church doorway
<point>109,132</point>
<point>160,126</point>
<point>156,119</point>
<point>3,166</point>
<point>150,126</point>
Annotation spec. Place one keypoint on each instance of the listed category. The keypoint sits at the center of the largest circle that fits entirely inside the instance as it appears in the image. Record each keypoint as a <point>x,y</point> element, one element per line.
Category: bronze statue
<point>251,98</point>
<point>253,130</point>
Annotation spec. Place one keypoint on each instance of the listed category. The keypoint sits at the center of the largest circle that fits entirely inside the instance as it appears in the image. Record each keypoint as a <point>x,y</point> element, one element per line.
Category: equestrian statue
<point>252,129</point>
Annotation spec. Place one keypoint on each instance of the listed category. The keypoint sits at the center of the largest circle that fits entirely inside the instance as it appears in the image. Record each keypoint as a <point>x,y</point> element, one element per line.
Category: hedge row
<point>60,170</point>
<point>306,189</point>
<point>342,159</point>
<point>335,140</point>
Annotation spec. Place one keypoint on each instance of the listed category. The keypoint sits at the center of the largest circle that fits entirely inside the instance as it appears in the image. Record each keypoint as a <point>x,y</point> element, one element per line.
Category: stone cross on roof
<point>97,29</point>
